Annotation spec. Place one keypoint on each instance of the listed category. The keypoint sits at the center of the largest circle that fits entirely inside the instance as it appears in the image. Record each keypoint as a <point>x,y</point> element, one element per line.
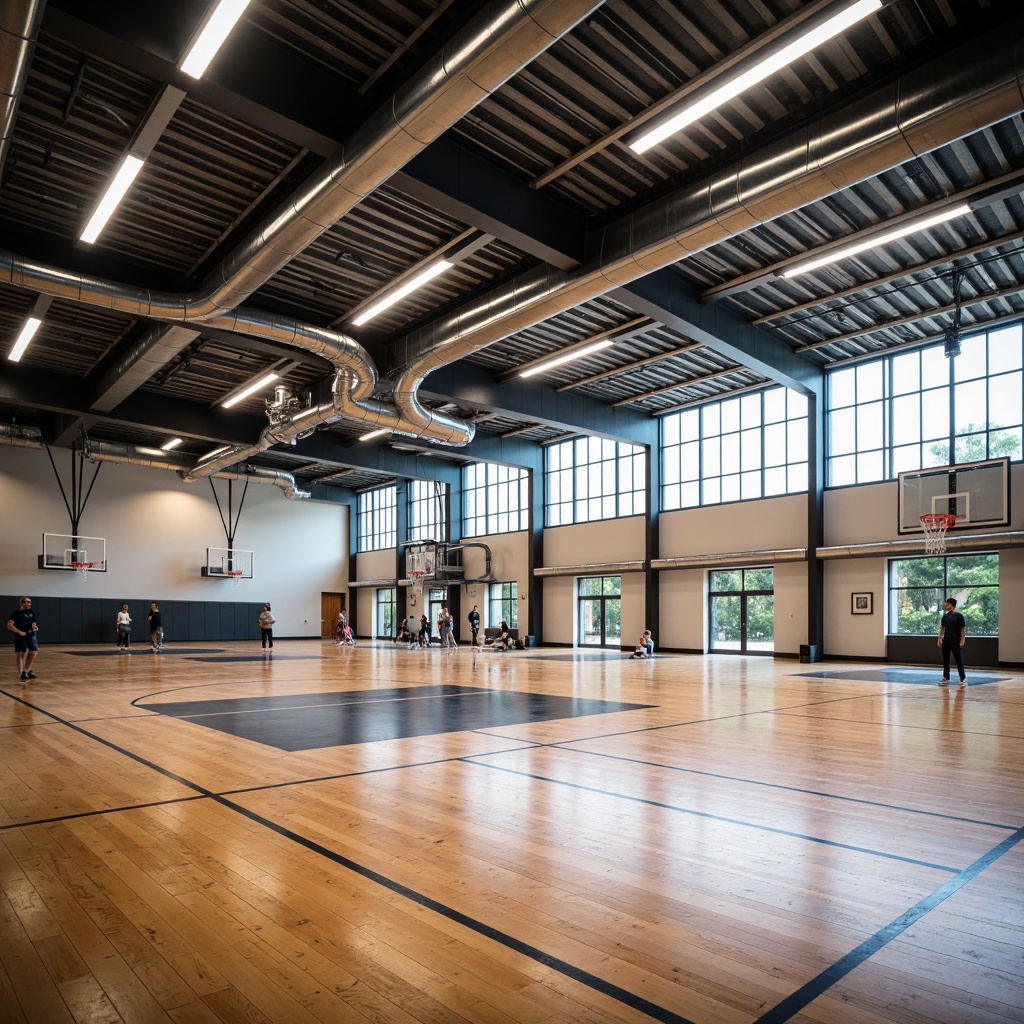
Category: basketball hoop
<point>416,576</point>
<point>236,576</point>
<point>82,568</point>
<point>935,525</point>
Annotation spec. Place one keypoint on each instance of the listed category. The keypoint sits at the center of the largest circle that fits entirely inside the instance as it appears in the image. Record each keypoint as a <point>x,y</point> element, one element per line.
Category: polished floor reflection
<point>375,834</point>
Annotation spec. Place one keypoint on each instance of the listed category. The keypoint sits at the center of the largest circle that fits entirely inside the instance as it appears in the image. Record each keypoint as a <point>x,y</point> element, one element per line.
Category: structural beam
<point>532,400</point>
<point>667,296</point>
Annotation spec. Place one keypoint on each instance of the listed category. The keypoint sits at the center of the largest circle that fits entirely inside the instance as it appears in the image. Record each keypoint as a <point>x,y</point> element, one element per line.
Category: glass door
<point>741,611</point>
<point>600,611</point>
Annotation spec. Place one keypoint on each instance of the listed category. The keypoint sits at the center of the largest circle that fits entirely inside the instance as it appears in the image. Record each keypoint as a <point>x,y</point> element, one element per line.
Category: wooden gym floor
<point>375,834</point>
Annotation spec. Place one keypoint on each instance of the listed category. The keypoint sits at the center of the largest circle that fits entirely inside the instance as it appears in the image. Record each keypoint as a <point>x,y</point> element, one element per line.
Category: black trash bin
<point>809,653</point>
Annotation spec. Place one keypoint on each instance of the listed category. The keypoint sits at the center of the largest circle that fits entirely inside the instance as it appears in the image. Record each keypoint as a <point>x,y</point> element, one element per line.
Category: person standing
<point>446,629</point>
<point>124,630</point>
<point>474,624</point>
<point>22,623</point>
<point>952,636</point>
<point>267,621</point>
<point>156,629</point>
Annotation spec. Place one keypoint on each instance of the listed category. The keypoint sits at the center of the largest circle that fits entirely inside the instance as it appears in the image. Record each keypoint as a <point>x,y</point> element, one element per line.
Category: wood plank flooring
<point>754,843</point>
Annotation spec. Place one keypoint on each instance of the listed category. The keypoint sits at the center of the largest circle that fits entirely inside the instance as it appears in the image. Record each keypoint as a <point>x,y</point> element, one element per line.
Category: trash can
<point>809,653</point>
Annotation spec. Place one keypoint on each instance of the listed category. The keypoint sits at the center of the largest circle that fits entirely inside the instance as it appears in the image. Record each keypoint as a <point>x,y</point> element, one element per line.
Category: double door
<point>741,611</point>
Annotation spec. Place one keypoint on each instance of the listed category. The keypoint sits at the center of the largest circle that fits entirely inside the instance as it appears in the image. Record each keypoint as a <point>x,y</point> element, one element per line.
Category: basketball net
<point>935,525</point>
<point>236,576</point>
<point>82,568</point>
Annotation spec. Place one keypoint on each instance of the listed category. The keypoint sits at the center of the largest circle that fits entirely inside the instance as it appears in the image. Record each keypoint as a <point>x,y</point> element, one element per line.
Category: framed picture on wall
<point>862,604</point>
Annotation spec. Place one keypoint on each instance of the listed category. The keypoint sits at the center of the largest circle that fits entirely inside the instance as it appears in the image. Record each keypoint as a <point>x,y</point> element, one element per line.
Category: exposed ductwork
<point>130,455</point>
<point>980,83</point>
<point>19,27</point>
<point>21,437</point>
<point>964,91</point>
<point>913,547</point>
<point>496,44</point>
<point>591,569</point>
<point>731,559</point>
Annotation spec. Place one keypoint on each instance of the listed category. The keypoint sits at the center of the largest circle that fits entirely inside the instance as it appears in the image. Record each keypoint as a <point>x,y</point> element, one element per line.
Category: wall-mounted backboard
<point>67,551</point>
<point>977,493</point>
<point>225,563</point>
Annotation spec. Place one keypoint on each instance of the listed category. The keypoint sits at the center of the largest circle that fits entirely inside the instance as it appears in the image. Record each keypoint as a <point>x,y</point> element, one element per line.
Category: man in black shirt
<point>22,623</point>
<point>156,629</point>
<point>952,636</point>
<point>474,624</point>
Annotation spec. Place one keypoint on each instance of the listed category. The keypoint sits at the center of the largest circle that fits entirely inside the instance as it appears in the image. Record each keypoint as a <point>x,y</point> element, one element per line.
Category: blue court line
<point>556,964</point>
<point>473,759</point>
<point>103,810</point>
<point>767,785</point>
<point>780,1013</point>
<point>807,993</point>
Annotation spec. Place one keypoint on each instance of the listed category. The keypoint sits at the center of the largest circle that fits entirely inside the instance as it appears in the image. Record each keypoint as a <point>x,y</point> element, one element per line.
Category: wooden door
<point>330,605</point>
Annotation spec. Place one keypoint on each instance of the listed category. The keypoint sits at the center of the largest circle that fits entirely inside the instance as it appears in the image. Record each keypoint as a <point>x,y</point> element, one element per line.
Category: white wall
<point>371,565</point>
<point>683,610</point>
<point>157,530</point>
<point>619,540</point>
<point>1011,603</point>
<point>616,540</point>
<point>848,635</point>
<point>510,563</point>
<point>765,525</point>
<point>790,607</point>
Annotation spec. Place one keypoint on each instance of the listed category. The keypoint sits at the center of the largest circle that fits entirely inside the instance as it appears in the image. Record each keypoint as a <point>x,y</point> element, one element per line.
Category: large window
<point>919,409</point>
<point>918,587</point>
<point>590,478</point>
<point>741,448</point>
<point>495,499</point>
<point>386,612</point>
<point>427,517</point>
<point>503,604</point>
<point>375,518</point>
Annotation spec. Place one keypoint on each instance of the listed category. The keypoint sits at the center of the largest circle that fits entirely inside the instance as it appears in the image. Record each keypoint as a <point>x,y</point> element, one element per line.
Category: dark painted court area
<point>919,676</point>
<point>308,721</point>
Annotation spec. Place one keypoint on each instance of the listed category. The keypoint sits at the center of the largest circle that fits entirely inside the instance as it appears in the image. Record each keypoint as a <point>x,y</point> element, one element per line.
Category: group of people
<point>22,623</point>
<point>154,622</point>
<point>416,632</point>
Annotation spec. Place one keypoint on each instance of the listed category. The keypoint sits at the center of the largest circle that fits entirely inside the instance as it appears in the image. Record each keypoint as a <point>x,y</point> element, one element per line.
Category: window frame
<point>495,499</point>
<point>729,450</point>
<point>590,479</point>
<point>376,518</point>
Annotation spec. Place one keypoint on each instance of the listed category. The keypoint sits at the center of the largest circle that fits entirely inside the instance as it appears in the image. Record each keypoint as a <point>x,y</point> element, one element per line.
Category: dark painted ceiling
<point>540,166</point>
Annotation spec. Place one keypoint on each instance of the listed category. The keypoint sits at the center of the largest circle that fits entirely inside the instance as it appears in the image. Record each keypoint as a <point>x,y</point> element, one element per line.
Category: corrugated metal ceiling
<point>214,174</point>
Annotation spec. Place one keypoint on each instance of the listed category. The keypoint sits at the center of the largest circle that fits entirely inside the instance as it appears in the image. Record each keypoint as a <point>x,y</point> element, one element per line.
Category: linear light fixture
<point>249,389</point>
<point>569,357</point>
<point>27,332</point>
<point>212,37</point>
<point>877,240</point>
<point>373,433</point>
<point>216,451</point>
<point>732,87</point>
<point>425,275</point>
<point>173,443</point>
<point>119,185</point>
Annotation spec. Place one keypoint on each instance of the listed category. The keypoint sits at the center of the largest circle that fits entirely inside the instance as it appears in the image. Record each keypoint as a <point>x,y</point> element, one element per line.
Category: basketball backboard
<point>68,551</point>
<point>224,563</point>
<point>977,493</point>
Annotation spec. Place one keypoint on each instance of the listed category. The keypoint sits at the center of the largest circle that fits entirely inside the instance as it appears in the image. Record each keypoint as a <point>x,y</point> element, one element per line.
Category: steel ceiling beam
<point>533,400</point>
<point>667,296</point>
